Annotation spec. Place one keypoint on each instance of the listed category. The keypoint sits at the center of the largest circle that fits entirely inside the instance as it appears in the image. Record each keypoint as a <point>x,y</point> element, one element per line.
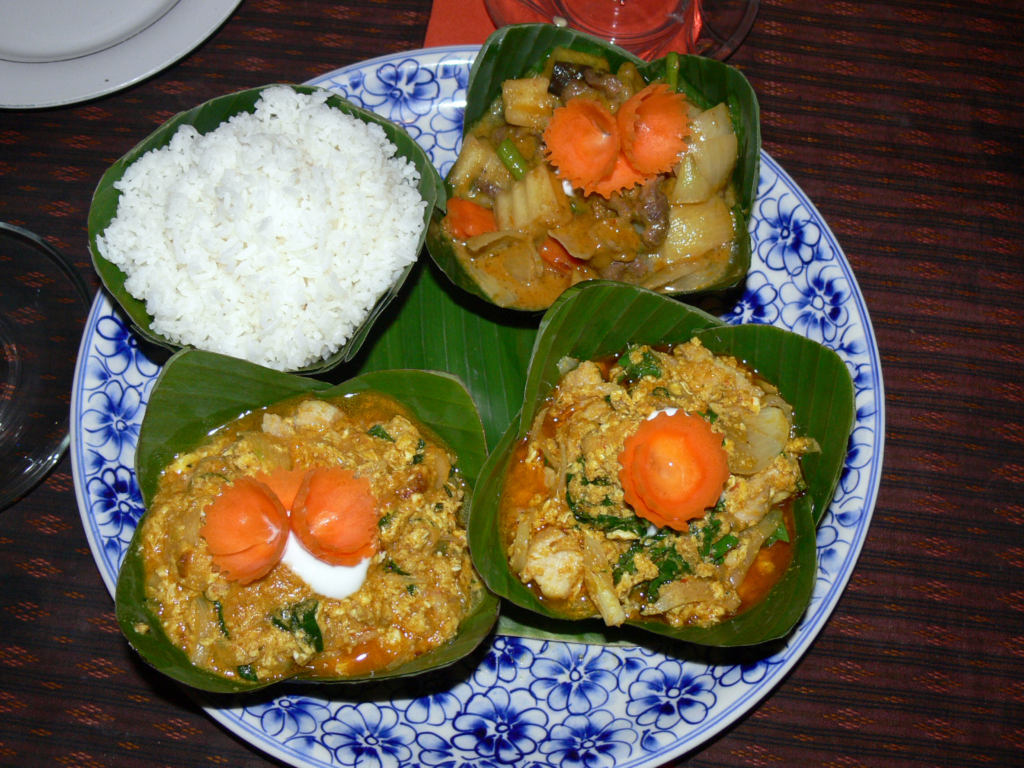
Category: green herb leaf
<point>300,620</point>
<point>220,619</point>
<point>246,672</point>
<point>671,567</point>
<point>780,534</point>
<point>633,371</point>
<point>378,431</point>
<point>392,567</point>
<point>719,549</point>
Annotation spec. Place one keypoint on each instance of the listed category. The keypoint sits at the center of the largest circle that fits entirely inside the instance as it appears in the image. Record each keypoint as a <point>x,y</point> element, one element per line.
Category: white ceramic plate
<point>57,52</point>
<point>528,703</point>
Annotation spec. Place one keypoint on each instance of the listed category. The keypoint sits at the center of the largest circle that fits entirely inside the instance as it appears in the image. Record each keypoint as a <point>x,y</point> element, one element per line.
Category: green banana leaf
<point>205,118</point>
<point>198,391</point>
<point>600,318</point>
<point>515,51</point>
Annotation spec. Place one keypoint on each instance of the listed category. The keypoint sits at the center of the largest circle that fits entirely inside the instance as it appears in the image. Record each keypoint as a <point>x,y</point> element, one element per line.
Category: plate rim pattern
<point>112,382</point>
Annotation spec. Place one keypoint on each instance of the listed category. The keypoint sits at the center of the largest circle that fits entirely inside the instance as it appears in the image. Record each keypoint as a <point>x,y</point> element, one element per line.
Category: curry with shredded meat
<point>592,515</point>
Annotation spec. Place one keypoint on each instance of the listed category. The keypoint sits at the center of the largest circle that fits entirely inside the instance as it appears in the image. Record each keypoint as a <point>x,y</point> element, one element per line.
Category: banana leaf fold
<point>519,50</point>
<point>600,318</point>
<point>205,118</point>
<point>199,391</point>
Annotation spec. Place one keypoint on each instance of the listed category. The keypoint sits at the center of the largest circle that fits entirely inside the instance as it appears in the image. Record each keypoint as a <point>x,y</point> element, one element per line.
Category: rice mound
<point>271,237</point>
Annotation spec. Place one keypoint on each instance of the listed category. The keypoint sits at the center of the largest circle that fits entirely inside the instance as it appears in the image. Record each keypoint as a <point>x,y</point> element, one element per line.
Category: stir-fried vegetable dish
<point>578,172</point>
<point>657,485</point>
<point>315,538</point>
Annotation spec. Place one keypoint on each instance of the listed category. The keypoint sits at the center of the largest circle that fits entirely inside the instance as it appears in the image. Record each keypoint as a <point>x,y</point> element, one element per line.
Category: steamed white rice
<point>271,237</point>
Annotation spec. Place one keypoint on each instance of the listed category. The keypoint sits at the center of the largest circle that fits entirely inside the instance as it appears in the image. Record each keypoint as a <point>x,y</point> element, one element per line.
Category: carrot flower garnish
<point>673,469</point>
<point>335,516</point>
<point>653,127</point>
<point>582,141</point>
<point>246,530</point>
<point>284,483</point>
<point>623,176</point>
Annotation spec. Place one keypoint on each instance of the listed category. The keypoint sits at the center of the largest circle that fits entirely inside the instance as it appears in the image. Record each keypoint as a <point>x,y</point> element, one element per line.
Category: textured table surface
<point>901,121</point>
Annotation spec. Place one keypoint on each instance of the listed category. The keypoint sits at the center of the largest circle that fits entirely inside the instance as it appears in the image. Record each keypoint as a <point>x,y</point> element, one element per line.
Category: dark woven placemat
<point>901,121</point>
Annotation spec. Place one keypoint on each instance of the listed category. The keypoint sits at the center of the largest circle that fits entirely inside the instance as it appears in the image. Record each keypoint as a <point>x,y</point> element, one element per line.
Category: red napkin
<point>455,22</point>
<point>461,22</point>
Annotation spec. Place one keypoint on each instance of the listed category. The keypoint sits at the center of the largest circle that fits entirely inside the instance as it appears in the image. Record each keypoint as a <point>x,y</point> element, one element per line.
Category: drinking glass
<point>648,28</point>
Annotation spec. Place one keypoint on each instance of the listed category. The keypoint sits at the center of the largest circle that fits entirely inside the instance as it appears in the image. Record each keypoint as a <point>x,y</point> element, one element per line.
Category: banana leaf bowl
<point>205,118</point>
<point>520,50</point>
<point>600,318</point>
<point>197,392</point>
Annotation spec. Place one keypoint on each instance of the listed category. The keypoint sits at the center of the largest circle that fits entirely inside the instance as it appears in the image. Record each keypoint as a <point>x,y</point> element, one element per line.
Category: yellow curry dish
<point>314,538</point>
<point>582,172</point>
<point>656,485</point>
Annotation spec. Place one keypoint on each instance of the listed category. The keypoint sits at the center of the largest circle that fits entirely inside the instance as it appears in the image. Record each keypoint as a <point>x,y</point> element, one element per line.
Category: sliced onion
<point>677,593</point>
<point>599,583</point>
<point>733,574</point>
<point>766,436</point>
<point>521,543</point>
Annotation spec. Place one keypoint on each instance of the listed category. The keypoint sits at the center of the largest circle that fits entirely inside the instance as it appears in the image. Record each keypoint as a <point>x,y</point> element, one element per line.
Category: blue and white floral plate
<point>520,702</point>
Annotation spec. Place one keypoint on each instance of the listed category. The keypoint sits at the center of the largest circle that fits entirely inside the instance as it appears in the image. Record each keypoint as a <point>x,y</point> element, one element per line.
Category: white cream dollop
<point>335,581</point>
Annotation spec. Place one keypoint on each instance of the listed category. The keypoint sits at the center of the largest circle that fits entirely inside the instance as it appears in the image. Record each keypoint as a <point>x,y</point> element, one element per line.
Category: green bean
<point>512,159</point>
<point>672,70</point>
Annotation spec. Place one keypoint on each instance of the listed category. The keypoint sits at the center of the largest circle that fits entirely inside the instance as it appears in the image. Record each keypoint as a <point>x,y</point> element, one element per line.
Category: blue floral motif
<point>290,716</point>
<point>597,740</point>
<point>748,672</point>
<point>435,709</point>
<point>766,183</point>
<point>757,304</point>
<point>574,677</point>
<point>440,753</point>
<point>848,512</point>
<point>111,425</point>
<point>852,346</point>
<point>405,92</point>
<point>499,728</point>
<point>669,694</point>
<point>507,658</point>
<point>446,123</point>
<point>368,736</point>
<point>858,458</point>
<point>816,302</point>
<point>786,233</point>
<point>831,550</point>
<point>120,351</point>
<point>117,506</point>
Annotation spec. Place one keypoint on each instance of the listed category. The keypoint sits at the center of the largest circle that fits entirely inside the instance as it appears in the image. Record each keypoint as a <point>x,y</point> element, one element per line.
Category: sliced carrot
<point>246,530</point>
<point>653,126</point>
<point>623,176</point>
<point>284,483</point>
<point>673,469</point>
<point>335,516</point>
<point>467,219</point>
<point>554,253</point>
<point>582,141</point>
